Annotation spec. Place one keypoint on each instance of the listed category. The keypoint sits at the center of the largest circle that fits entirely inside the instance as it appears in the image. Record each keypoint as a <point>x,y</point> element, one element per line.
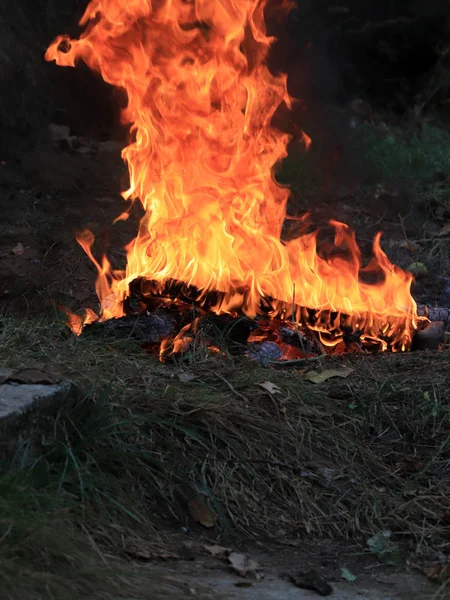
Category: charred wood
<point>145,328</point>
<point>434,313</point>
<point>157,312</point>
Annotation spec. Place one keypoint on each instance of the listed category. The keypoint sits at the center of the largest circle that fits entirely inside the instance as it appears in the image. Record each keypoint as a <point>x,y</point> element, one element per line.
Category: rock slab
<point>18,398</point>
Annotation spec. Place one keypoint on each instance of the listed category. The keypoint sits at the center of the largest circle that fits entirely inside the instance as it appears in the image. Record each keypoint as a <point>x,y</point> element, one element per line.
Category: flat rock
<point>17,398</point>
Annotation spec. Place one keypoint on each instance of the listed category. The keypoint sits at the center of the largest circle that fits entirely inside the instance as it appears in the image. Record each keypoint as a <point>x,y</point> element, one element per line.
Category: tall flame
<point>200,104</point>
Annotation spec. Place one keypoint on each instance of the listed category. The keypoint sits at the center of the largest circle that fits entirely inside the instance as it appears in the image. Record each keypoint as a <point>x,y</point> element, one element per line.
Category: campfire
<point>201,157</point>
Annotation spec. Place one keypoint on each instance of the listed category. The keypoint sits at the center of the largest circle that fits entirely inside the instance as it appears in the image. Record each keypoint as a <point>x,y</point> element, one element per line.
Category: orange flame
<point>200,103</point>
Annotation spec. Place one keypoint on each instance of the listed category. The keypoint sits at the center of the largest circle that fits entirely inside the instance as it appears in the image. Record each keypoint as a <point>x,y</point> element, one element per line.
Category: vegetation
<point>86,492</point>
<point>346,458</point>
<point>396,152</point>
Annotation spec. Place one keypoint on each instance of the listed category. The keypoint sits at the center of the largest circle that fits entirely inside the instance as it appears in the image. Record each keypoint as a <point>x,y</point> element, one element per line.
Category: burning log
<point>167,324</point>
<point>172,314</point>
<point>145,328</point>
<point>332,328</point>
<point>434,313</point>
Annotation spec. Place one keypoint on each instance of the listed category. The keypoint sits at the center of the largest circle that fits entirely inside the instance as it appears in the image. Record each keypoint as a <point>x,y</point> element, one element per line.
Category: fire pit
<point>201,160</point>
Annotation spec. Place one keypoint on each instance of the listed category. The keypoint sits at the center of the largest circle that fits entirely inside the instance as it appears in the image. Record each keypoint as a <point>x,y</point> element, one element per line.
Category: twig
<point>294,361</point>
<point>230,386</point>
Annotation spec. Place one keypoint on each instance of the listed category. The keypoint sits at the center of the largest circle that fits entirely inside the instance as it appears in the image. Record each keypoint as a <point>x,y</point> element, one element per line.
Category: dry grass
<point>341,459</point>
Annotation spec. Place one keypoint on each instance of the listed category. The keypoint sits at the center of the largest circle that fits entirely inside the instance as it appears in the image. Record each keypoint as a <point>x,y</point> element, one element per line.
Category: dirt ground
<point>47,195</point>
<point>205,577</point>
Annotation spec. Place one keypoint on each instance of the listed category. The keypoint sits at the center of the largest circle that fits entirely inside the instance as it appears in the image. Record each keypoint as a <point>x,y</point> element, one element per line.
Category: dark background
<point>373,80</point>
<point>391,53</point>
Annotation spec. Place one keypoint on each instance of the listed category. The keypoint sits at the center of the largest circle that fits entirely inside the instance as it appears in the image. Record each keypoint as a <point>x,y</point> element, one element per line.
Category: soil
<point>203,576</point>
<point>50,193</point>
<point>201,583</point>
<point>47,195</point>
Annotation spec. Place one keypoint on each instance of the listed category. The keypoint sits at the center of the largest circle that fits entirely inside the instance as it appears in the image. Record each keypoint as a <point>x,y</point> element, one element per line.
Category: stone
<point>28,409</point>
<point>16,399</point>
<point>431,337</point>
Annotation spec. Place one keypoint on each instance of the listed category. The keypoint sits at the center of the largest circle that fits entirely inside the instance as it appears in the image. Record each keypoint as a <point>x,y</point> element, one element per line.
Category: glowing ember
<point>200,104</point>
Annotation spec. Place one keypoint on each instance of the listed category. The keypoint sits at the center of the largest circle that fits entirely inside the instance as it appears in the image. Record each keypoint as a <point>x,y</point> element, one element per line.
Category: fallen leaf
<point>245,566</point>
<point>139,554</point>
<point>216,550</point>
<point>19,249</point>
<point>32,376</point>
<point>185,377</point>
<point>270,387</point>
<point>347,575</point>
<point>410,246</point>
<point>445,230</point>
<point>311,581</point>
<point>317,377</point>
<point>201,513</point>
<point>438,573</point>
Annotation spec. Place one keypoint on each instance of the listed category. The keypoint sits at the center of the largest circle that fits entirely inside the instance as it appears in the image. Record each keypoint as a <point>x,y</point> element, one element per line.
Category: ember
<point>201,161</point>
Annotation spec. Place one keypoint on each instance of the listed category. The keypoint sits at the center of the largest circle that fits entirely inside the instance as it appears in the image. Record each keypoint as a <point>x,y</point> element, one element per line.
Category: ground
<point>97,498</point>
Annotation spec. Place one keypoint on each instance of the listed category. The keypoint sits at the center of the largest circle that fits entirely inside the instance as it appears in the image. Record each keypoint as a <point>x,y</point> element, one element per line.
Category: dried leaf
<point>317,377</point>
<point>139,554</point>
<point>32,376</point>
<point>348,575</point>
<point>185,377</point>
<point>311,581</point>
<point>445,230</point>
<point>438,573</point>
<point>270,387</point>
<point>245,566</point>
<point>19,249</point>
<point>217,550</point>
<point>201,513</point>
<point>410,246</point>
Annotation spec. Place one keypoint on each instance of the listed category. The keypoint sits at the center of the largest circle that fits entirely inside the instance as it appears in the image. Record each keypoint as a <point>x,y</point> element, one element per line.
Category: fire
<point>201,158</point>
